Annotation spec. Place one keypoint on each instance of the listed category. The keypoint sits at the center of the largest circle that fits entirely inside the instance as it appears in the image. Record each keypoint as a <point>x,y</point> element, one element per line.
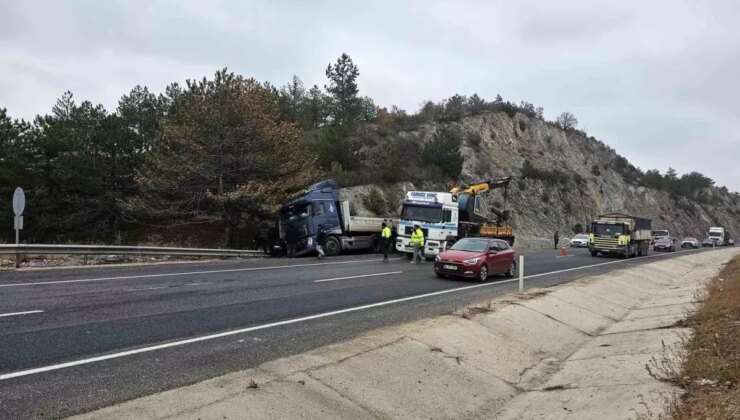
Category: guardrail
<point>36,249</point>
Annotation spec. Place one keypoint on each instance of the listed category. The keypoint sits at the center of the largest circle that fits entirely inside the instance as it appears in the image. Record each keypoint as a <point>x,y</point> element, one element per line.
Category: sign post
<point>19,204</point>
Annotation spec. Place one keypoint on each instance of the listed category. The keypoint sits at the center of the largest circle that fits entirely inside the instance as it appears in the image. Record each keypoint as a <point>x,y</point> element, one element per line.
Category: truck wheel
<point>333,246</point>
<point>594,253</point>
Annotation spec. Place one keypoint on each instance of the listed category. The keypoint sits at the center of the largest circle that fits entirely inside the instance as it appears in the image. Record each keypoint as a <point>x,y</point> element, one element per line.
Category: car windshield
<point>689,239</point>
<point>422,214</point>
<point>581,236</point>
<point>606,229</point>
<point>470,245</point>
<point>663,241</point>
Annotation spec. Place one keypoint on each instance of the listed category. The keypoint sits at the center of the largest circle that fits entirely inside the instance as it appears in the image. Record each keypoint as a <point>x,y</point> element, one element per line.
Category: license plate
<point>449,267</point>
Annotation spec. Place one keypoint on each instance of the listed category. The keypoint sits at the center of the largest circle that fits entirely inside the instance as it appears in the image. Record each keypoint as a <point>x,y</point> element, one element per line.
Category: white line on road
<point>286,322</point>
<point>357,277</point>
<point>21,313</point>
<point>188,273</point>
<point>145,288</point>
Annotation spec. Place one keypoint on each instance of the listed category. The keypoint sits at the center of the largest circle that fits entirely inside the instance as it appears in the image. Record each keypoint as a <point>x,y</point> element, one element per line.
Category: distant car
<point>708,242</point>
<point>690,242</point>
<point>731,242</point>
<point>476,258</point>
<point>665,244</point>
<point>580,241</point>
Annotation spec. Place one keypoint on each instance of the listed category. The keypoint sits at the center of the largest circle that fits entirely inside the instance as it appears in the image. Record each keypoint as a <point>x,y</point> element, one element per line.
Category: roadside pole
<point>19,204</point>
<point>521,273</point>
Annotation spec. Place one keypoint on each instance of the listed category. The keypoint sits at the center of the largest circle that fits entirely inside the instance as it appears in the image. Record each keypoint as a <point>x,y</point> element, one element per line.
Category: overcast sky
<point>658,81</point>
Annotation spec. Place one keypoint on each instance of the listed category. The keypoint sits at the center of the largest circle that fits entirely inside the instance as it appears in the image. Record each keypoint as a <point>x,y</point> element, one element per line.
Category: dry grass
<point>710,374</point>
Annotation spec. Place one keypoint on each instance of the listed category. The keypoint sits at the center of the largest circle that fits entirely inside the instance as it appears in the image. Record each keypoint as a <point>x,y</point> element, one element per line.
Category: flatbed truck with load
<point>320,204</point>
<point>444,217</point>
<point>620,234</point>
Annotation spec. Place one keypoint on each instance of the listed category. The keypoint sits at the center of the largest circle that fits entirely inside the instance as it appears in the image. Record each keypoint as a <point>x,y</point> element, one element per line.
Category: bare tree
<point>567,121</point>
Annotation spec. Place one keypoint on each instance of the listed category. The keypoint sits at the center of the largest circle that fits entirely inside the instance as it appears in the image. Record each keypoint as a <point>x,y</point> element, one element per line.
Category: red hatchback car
<point>476,258</point>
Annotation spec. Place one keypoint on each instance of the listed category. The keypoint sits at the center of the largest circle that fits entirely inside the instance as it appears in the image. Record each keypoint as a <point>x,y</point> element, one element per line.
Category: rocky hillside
<point>560,179</point>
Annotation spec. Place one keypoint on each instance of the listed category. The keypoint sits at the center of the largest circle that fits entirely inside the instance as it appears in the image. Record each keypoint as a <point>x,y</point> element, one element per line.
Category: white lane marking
<point>145,288</point>
<point>188,273</point>
<point>199,283</point>
<point>21,313</point>
<point>357,277</point>
<point>285,322</point>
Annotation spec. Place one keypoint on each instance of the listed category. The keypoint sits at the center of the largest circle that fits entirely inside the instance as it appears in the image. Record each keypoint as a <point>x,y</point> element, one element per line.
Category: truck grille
<point>605,242</point>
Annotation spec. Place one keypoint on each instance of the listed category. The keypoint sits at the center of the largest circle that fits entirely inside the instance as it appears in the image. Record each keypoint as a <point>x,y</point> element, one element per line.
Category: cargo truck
<point>620,234</point>
<point>320,204</point>
<point>444,217</point>
<point>719,236</point>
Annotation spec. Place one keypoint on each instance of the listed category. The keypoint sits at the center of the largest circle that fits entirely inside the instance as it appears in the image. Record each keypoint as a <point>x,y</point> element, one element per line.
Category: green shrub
<point>374,202</point>
<point>577,228</point>
<point>443,151</point>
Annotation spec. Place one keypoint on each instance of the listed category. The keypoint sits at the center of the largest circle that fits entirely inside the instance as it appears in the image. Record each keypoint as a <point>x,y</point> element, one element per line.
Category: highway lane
<point>93,312</point>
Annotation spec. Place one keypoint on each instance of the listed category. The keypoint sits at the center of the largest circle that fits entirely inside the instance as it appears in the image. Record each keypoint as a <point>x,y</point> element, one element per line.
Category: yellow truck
<point>620,234</point>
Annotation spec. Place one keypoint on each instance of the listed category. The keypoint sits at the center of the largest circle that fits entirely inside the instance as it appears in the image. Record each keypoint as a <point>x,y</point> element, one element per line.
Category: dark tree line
<point>227,149</point>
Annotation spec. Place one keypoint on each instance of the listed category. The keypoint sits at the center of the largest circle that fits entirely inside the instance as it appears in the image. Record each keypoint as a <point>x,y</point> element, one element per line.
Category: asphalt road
<point>72,340</point>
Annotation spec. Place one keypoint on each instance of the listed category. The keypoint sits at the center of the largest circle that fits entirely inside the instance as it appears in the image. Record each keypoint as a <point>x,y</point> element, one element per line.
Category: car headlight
<point>471,261</point>
<point>437,258</point>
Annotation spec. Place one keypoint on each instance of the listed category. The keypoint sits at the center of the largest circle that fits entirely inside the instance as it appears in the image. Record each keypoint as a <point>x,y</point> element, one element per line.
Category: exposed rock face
<point>574,179</point>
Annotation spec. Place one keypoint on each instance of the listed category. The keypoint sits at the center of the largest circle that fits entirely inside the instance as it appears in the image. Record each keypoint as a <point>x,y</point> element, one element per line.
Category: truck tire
<point>594,253</point>
<point>333,246</point>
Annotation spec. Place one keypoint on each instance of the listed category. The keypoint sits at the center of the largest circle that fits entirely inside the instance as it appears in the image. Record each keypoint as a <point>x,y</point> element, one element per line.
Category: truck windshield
<point>715,234</point>
<point>294,214</point>
<point>606,229</point>
<point>657,233</point>
<point>422,214</point>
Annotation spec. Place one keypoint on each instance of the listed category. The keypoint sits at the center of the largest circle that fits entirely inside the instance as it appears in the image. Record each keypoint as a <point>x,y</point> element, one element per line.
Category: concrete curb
<point>577,350</point>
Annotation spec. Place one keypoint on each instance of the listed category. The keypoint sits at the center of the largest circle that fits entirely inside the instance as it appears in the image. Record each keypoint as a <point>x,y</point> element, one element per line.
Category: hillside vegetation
<point>200,164</point>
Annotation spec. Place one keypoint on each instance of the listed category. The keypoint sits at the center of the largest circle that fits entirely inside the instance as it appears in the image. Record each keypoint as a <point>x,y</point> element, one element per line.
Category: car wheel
<point>512,270</point>
<point>440,275</point>
<point>483,275</point>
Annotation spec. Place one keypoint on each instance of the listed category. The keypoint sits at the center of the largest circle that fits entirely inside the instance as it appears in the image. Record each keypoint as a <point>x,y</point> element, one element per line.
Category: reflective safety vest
<point>417,238</point>
<point>386,233</point>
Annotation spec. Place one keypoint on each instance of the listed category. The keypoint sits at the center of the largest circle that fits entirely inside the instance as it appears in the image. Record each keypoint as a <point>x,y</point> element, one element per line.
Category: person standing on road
<point>321,241</point>
<point>385,236</point>
<point>263,238</point>
<point>417,242</point>
<point>557,239</point>
<point>291,239</point>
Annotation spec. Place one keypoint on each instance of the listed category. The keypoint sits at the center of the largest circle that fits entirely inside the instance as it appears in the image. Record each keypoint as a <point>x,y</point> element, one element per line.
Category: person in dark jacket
<point>321,241</point>
<point>556,238</point>
<point>291,239</point>
<point>263,238</point>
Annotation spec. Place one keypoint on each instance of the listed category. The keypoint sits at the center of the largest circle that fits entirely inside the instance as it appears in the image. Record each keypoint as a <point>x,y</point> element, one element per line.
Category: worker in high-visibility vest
<point>417,242</point>
<point>385,236</point>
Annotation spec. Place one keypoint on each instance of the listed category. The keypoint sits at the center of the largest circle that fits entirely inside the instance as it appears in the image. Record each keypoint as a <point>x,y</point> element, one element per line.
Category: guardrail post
<point>17,257</point>
<point>521,273</point>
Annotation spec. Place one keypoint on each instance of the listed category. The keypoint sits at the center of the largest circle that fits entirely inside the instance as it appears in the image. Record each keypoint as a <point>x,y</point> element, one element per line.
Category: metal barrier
<point>34,249</point>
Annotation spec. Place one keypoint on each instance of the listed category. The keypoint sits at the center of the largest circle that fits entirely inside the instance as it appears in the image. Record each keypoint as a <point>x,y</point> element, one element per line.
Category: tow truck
<point>444,217</point>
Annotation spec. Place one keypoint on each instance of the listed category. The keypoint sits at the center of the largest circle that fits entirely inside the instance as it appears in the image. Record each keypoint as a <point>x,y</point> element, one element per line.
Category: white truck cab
<point>437,215</point>
<point>718,236</point>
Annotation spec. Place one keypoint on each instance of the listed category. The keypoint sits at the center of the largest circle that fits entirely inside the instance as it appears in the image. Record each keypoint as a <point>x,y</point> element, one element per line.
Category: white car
<point>690,242</point>
<point>580,241</point>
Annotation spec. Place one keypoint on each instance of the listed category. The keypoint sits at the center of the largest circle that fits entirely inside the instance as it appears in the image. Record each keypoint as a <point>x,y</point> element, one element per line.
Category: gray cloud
<point>657,81</point>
